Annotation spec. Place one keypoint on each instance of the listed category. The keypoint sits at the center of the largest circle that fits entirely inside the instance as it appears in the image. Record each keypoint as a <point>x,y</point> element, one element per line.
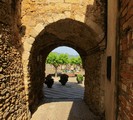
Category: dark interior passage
<point>78,36</point>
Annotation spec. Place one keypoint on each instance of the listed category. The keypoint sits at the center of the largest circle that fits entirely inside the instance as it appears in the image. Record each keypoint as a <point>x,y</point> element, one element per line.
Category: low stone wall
<point>125,108</point>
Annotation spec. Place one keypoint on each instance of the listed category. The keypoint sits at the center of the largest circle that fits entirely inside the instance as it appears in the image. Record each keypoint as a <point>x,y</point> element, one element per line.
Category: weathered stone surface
<point>26,55</point>
<point>27,46</point>
<point>30,40</point>
<point>80,18</point>
<point>126,62</point>
<point>2,76</point>
<point>1,69</point>
<point>72,1</point>
<point>55,1</point>
<point>38,15</point>
<point>11,74</point>
<point>17,89</point>
<point>5,115</point>
<point>39,27</point>
<point>51,12</point>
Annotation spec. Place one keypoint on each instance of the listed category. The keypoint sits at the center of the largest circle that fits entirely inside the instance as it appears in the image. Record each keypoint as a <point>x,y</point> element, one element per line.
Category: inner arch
<point>66,32</point>
<point>71,90</point>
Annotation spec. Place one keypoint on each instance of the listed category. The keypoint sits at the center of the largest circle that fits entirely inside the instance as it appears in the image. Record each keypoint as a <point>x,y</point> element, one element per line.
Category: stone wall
<point>73,34</point>
<point>19,66</point>
<point>37,18</point>
<point>38,14</point>
<point>94,83</point>
<point>13,103</point>
<point>36,75</point>
<point>125,99</point>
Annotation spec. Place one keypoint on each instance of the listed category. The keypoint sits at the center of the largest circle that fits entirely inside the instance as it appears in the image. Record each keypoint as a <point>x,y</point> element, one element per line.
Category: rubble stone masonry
<point>125,90</point>
<point>13,104</point>
<point>30,28</point>
<point>37,15</point>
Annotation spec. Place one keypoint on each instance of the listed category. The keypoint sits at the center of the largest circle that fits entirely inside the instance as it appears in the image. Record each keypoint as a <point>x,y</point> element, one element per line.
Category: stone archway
<point>70,33</point>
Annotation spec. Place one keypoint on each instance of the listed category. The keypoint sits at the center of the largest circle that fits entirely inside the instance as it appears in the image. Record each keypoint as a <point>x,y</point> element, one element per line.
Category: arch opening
<point>64,55</point>
<point>61,62</point>
<point>78,36</point>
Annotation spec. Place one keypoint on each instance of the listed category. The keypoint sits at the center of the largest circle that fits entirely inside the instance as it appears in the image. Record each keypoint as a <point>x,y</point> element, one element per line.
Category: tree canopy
<point>76,61</point>
<point>53,59</point>
<point>63,58</point>
<point>56,60</point>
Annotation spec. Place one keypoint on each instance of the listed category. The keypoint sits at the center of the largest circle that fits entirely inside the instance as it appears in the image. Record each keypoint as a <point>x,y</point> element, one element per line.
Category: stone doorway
<point>85,41</point>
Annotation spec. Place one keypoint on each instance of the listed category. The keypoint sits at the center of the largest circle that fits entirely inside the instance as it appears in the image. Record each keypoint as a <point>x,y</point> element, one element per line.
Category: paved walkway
<point>70,90</point>
<point>64,103</point>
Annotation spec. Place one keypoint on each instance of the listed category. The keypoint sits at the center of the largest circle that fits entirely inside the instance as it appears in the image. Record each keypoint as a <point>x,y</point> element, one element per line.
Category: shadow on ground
<point>64,103</point>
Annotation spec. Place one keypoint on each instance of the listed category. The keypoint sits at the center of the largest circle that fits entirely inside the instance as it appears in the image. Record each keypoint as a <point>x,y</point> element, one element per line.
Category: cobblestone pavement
<point>64,103</point>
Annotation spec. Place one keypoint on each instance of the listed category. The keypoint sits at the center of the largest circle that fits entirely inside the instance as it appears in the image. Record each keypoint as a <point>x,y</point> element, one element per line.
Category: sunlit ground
<point>64,102</point>
<point>64,110</point>
<point>70,91</point>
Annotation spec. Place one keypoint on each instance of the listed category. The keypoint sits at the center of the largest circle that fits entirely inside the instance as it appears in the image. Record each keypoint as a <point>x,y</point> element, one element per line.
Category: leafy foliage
<point>76,61</point>
<point>63,58</point>
<point>53,59</point>
<point>56,60</point>
<point>79,78</point>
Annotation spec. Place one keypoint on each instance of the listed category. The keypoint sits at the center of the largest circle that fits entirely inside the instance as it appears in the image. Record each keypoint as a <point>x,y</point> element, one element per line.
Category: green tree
<point>73,61</point>
<point>64,60</point>
<point>53,59</point>
<point>76,61</point>
<point>79,61</point>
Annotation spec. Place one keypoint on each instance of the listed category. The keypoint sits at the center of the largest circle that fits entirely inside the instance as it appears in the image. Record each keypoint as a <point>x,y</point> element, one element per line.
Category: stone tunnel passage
<point>79,36</point>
